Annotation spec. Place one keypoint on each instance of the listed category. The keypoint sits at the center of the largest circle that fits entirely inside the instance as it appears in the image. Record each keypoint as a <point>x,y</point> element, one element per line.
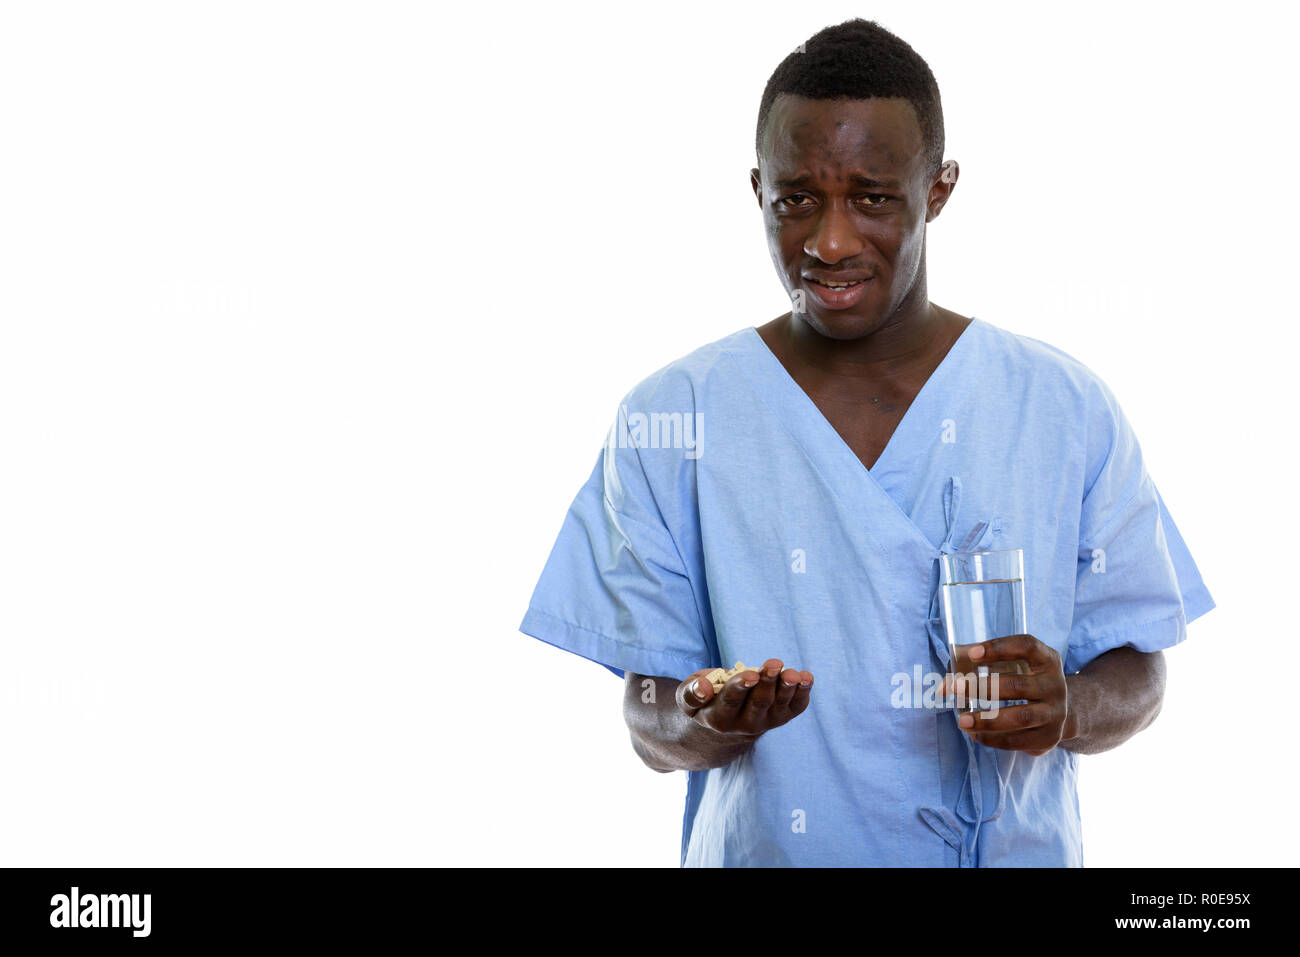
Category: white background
<point>313,318</point>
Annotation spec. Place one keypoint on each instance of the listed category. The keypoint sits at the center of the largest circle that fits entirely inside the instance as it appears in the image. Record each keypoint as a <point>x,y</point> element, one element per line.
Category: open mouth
<point>837,293</point>
<point>838,285</point>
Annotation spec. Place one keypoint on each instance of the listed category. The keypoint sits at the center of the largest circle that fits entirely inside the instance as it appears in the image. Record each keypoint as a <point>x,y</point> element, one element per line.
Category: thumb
<point>696,692</point>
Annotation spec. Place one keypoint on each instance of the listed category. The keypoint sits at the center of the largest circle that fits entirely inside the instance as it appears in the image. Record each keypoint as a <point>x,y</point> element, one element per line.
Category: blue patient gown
<point>726,520</point>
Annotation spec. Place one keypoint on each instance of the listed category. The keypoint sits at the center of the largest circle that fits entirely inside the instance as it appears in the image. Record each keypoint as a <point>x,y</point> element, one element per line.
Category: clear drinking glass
<point>983,598</point>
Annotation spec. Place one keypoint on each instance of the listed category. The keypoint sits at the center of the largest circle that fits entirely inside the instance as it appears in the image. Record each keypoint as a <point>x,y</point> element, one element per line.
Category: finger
<point>1016,717</point>
<point>1012,647</point>
<point>962,664</point>
<point>733,678</point>
<point>694,693</point>
<point>734,694</point>
<point>755,717</point>
<point>1010,686</point>
<point>802,694</point>
<point>961,690</point>
<point>1026,687</point>
<point>1035,742</point>
<point>764,693</point>
<point>966,686</point>
<point>785,690</point>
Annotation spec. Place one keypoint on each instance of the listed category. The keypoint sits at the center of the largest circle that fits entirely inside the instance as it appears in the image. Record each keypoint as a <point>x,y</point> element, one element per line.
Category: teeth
<point>836,285</point>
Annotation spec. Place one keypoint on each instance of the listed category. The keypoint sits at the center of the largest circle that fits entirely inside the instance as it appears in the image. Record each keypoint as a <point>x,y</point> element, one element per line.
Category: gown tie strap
<point>960,827</point>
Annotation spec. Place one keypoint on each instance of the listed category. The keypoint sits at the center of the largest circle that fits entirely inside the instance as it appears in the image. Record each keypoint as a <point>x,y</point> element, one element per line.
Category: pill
<point>718,677</point>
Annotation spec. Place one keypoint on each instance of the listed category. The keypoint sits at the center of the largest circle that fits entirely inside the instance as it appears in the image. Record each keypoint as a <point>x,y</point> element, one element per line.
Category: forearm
<point>1113,698</point>
<point>666,739</point>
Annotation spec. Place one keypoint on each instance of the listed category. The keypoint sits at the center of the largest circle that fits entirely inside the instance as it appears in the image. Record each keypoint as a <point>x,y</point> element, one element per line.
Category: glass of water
<point>983,598</point>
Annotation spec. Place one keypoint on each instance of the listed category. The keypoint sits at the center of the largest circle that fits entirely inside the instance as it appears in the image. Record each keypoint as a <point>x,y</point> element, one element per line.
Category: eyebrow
<point>856,179</point>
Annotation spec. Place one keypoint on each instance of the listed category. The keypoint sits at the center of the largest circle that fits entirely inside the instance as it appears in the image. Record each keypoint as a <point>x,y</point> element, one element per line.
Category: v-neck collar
<point>922,396</point>
<point>820,440</point>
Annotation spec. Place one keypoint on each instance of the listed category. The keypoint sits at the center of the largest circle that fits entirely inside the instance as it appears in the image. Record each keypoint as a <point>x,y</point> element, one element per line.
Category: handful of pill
<point>720,676</point>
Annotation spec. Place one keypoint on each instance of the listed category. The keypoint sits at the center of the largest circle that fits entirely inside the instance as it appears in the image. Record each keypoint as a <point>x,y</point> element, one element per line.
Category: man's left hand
<point>1035,727</point>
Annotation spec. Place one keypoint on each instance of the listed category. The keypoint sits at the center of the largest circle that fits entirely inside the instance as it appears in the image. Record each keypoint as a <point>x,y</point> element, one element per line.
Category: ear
<point>941,188</point>
<point>756,180</point>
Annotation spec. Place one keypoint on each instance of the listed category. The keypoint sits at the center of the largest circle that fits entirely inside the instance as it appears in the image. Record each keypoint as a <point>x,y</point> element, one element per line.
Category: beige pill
<point>719,678</point>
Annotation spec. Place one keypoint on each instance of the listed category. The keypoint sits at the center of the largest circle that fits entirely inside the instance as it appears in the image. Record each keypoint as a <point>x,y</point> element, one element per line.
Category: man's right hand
<point>750,703</point>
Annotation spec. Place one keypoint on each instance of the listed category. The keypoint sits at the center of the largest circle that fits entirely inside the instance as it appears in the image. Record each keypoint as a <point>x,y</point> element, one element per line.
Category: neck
<point>904,339</point>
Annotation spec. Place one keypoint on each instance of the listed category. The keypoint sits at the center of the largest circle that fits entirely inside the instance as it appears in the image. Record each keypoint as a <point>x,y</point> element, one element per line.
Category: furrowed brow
<point>857,179</point>
<point>867,181</point>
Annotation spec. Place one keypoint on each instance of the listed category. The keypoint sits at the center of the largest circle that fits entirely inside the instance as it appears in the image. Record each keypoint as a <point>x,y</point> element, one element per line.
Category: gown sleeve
<point>615,589</point>
<point>1137,585</point>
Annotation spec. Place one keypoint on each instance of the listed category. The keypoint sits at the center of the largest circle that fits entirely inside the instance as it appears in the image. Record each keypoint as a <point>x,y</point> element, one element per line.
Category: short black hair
<point>858,60</point>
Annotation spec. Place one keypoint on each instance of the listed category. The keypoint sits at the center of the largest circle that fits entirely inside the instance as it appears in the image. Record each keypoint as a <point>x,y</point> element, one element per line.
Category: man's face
<point>846,192</point>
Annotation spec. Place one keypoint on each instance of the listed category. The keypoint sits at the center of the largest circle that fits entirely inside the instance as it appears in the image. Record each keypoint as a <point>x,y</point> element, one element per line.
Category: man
<point>784,495</point>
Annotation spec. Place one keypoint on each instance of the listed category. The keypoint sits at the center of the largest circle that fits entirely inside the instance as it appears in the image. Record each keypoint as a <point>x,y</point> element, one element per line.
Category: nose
<point>834,237</point>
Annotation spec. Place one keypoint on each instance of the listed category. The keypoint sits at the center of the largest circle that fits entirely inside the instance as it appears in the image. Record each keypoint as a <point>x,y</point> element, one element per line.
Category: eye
<point>792,202</point>
<point>875,199</point>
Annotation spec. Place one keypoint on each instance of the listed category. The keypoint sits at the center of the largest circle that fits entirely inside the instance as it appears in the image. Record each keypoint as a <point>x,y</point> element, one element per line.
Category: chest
<point>865,423</point>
